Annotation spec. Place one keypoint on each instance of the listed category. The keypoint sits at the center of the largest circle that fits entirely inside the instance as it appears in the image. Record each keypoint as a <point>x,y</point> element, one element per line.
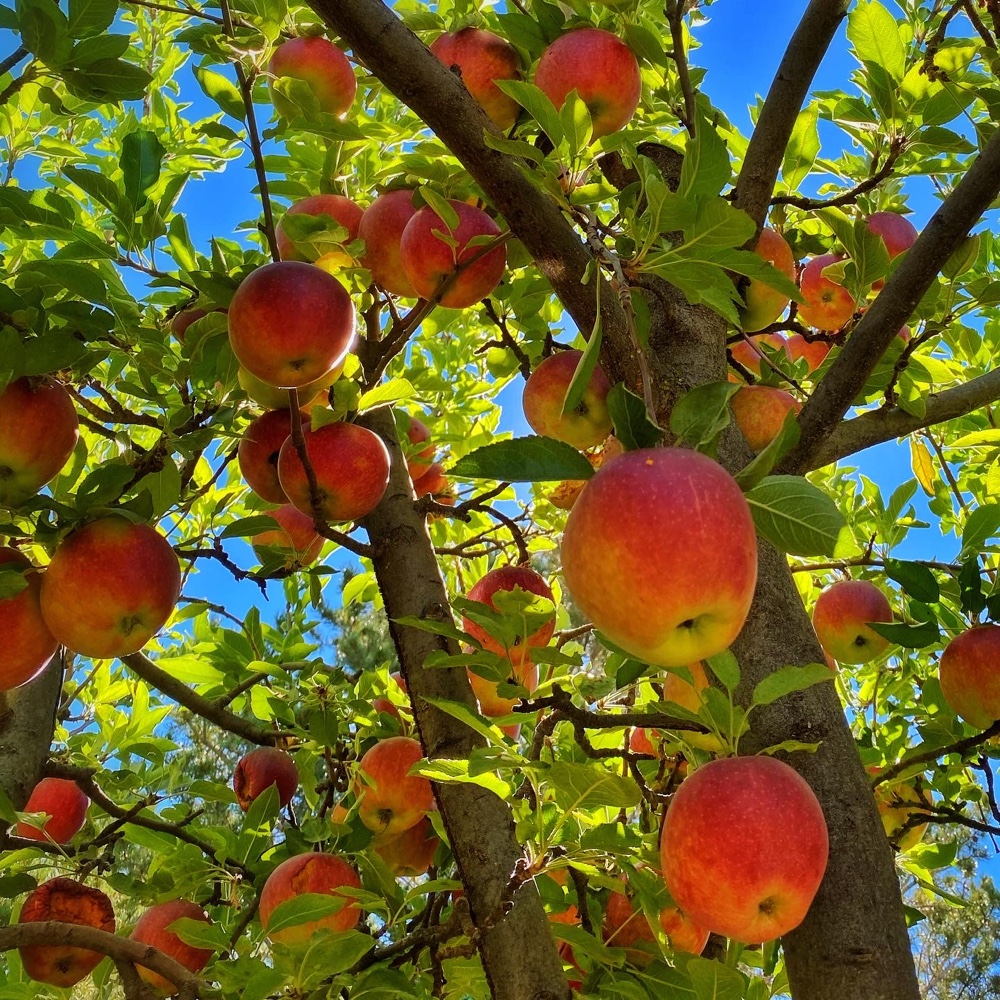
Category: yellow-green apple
<point>152,928</point>
<point>257,454</point>
<point>382,226</point>
<point>601,68</point>
<point>64,803</point>
<point>410,853</point>
<point>390,799</point>
<point>491,703</point>
<point>324,874</point>
<point>588,424</point>
<point>290,323</point>
<point>970,675</point>
<point>351,465</point>
<point>744,847</point>
<point>840,618</point>
<point>295,538</point>
<point>763,303</point>
<point>895,801</point>
<point>259,770</point>
<point>814,351</point>
<point>688,694</point>
<point>272,398</point>
<point>110,587</point>
<point>68,902</point>
<point>480,57</point>
<point>320,64</point>
<point>682,932</point>
<point>828,305</point>
<point>38,432</point>
<point>27,642</point>
<point>897,232</point>
<point>418,459</point>
<point>660,553</point>
<point>749,355</point>
<point>431,252</point>
<point>342,210</point>
<point>759,412</point>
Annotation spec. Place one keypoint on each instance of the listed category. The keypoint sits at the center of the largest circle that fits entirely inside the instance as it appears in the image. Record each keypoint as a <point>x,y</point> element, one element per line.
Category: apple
<point>480,57</point>
<point>763,303</point>
<point>660,553</point>
<point>410,853</point>
<point>904,334</point>
<point>259,770</point>
<point>271,398</point>
<point>390,799</point>
<point>897,232</point>
<point>110,587</point>
<point>601,68</point>
<point>641,741</point>
<point>418,460</point>
<point>432,483</point>
<point>38,432</point>
<point>342,210</point>
<point>828,305</point>
<point>689,695</point>
<point>387,706</point>
<point>290,323</point>
<point>682,932</point>
<point>760,411</point>
<point>491,704</point>
<point>64,803</point>
<point>324,874</point>
<point>69,902</point>
<point>152,928</point>
<point>894,800</point>
<point>588,424</point>
<point>351,465</point>
<point>625,927</point>
<point>750,356</point>
<point>970,680</point>
<point>814,351</point>
<point>840,617</point>
<point>257,454</point>
<point>743,848</point>
<point>430,259</point>
<point>382,226</point>
<point>295,538</point>
<point>27,642</point>
<point>320,64</point>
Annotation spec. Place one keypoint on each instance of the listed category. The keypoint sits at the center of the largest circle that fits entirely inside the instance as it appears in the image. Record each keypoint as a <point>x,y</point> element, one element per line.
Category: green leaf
<point>706,169</point>
<point>537,104</point>
<point>393,391</point>
<point>304,908</point>
<point>918,581</point>
<point>524,460</point>
<point>108,80</point>
<point>718,224</point>
<point>584,371</point>
<point>45,31</point>
<point>633,426</point>
<point>441,207</point>
<point>980,526</point>
<point>576,123</point>
<point>788,437</point>
<point>142,154</point>
<point>726,667</point>
<point>909,636</point>
<point>466,772</point>
<point>702,414</point>
<point>873,32</point>
<point>788,680</point>
<point>802,149</point>
<point>12,581</point>
<point>797,517</point>
<point>222,90</point>
<point>91,17</point>
<point>468,717</point>
<point>514,147</point>
<point>247,527</point>
<point>582,786</point>
<point>200,934</point>
<point>714,981</point>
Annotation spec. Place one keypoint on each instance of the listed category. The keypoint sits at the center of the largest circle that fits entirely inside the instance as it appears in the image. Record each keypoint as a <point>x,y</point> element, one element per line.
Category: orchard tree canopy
<point>462,585</point>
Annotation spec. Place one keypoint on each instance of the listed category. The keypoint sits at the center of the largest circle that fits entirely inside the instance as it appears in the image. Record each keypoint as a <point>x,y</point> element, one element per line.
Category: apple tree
<point>324,673</point>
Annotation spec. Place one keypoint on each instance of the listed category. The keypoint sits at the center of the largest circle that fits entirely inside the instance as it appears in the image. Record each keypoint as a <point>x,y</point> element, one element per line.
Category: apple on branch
<point>259,769</point>
<point>828,304</point>
<point>27,642</point>
<point>763,303</point>
<point>152,928</point>
<point>64,802</point>
<point>840,618</point>
<point>588,423</point>
<point>390,799</point>
<point>970,675</point>
<point>381,229</point>
<point>320,64</point>
<point>341,210</point>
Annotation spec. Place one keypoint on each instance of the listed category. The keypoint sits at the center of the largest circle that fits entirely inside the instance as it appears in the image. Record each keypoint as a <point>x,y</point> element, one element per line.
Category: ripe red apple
<point>749,355</point>
<point>480,58</point>
<point>319,63</point>
<point>897,232</point>
<point>641,741</point>
<point>259,770</point>
<point>310,873</point>
<point>588,424</point>
<point>491,704</point>
<point>970,678</point>
<point>27,642</point>
<point>660,553</point>
<point>744,847</point>
<point>814,352</point>
<point>432,483</point>
<point>257,454</point>
<point>410,853</point>
<point>295,538</point>
<point>272,398</point>
<point>682,932</point>
<point>601,68</point>
<point>337,207</point>
<point>110,587</point>
<point>839,618</point>
<point>759,412</point>
<point>418,460</point>
<point>390,799</point>
<point>625,927</point>
<point>70,902</point>
<point>152,929</point>
<point>351,465</point>
<point>382,226</point>
<point>290,323</point>
<point>38,432</point>
<point>763,303</point>
<point>64,803</point>
<point>895,801</point>
<point>828,305</point>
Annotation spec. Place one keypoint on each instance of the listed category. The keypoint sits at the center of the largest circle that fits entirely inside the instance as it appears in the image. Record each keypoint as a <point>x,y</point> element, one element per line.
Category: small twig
<point>960,747</point>
<point>6,65</point>
<point>675,17</point>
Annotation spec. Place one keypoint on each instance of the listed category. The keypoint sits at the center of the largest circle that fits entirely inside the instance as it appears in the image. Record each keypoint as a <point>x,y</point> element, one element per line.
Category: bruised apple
<point>64,802</point>
<point>27,643</point>
<point>319,63</point>
<point>390,799</point>
<point>152,929</point>
<point>763,303</point>
<point>295,538</point>
<point>840,618</point>
<point>760,411</point>
<point>480,57</point>
<point>381,228</point>
<point>342,210</point>
<point>970,675</point>
<point>259,770</point>
<point>589,422</point>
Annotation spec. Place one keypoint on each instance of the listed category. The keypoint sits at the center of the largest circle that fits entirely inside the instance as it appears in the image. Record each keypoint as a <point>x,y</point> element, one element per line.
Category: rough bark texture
<point>517,949</point>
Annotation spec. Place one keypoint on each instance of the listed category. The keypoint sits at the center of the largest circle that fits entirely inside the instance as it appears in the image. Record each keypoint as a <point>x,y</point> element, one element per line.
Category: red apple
<point>342,210</point>
<point>110,587</point>
<point>27,642</point>
<point>387,706</point>
<point>682,932</point>
<point>259,770</point>
<point>480,57</point>
<point>601,68</point>
<point>38,432</point>
<point>895,801</point>
<point>749,355</point>
<point>660,553</point>
<point>64,803</point>
<point>290,323</point>
<point>182,320</point>
<point>351,465</point>
<point>744,848</point>
<point>625,927</point>
<point>760,411</point>
<point>904,334</point>
<point>970,675</point>
<point>828,305</point>
<point>272,398</point>
<point>418,460</point>
<point>410,853</point>
<point>814,351</point>
<point>641,741</point>
<point>295,538</point>
<point>840,617</point>
<point>897,232</point>
<point>763,303</point>
<point>390,799</point>
<point>320,64</point>
<point>382,228</point>
<point>432,483</point>
<point>491,704</point>
<point>152,928</point>
<point>257,454</point>
<point>588,424</point>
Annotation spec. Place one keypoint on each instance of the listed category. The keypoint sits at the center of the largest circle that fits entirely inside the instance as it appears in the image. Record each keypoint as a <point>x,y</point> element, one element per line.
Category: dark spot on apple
<point>860,641</point>
<point>688,623</point>
<point>767,906</point>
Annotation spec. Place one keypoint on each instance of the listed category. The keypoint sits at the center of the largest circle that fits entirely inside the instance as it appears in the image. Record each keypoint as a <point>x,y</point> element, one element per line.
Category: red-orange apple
<point>342,210</point>
<point>895,801</point>
<point>642,741</point>
<point>110,587</point>
<point>682,932</point>
<point>64,803</point>
<point>828,305</point>
<point>748,354</point>
<point>763,303</point>
<point>601,68</point>
<point>759,412</point>
<point>38,432</point>
<point>491,704</point>
<point>418,459</point>
<point>588,424</point>
<point>390,799</point>
<point>69,902</point>
<point>320,64</point>
<point>410,853</point>
<point>152,928</point>
<point>433,482</point>
<point>970,675</point>
<point>351,465</point>
<point>814,351</point>
<point>259,770</point>
<point>272,398</point>
<point>626,927</point>
<point>660,553</point>
<point>480,57</point>
<point>295,538</point>
<point>743,848</point>
<point>257,454</point>
<point>290,323</point>
<point>840,618</point>
<point>382,226</point>
<point>27,642</point>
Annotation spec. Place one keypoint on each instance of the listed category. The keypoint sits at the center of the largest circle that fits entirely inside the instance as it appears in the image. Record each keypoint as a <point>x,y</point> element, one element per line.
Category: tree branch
<point>960,747</point>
